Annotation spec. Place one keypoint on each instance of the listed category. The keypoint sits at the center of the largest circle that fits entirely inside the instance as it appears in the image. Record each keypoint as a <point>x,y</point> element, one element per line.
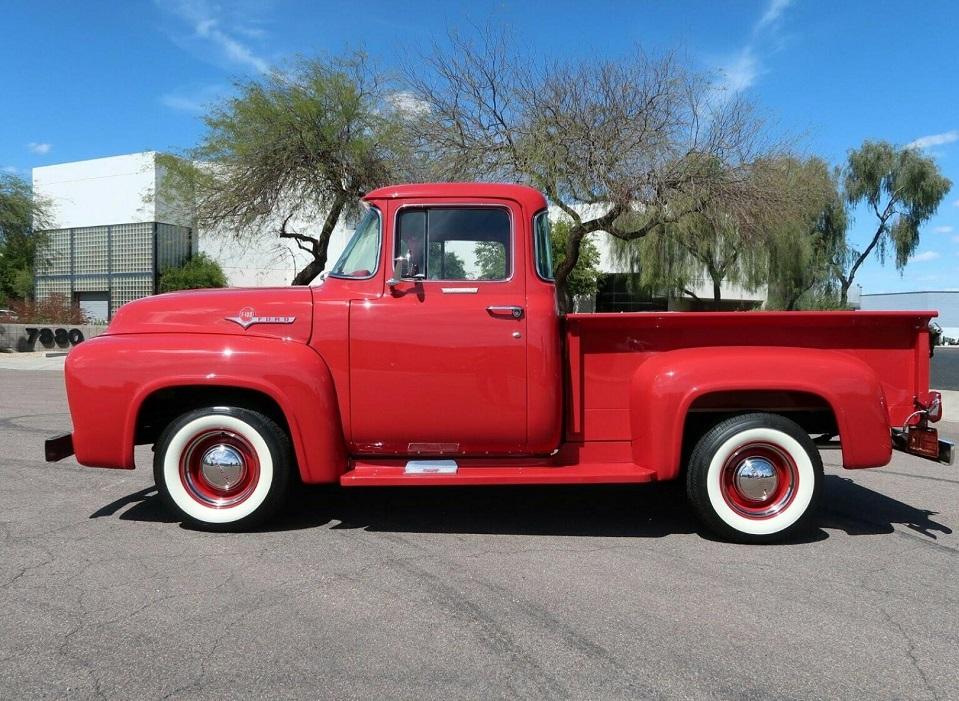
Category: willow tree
<point>624,146</point>
<point>717,244</point>
<point>902,188</point>
<point>804,240</point>
<point>302,144</point>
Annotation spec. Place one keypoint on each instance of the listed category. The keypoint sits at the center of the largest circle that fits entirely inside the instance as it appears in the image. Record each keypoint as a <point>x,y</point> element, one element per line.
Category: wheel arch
<point>109,384</point>
<point>674,386</point>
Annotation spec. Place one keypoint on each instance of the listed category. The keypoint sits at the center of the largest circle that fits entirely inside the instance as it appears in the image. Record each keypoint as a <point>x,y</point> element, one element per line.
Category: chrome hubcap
<point>756,479</point>
<point>222,467</point>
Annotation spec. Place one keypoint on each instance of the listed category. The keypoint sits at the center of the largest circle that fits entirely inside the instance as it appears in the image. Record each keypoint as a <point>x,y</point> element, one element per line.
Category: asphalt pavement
<point>539,592</point>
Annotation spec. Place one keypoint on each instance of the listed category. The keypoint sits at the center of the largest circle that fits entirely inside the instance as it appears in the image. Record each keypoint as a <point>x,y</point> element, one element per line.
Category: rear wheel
<point>223,468</point>
<point>755,478</point>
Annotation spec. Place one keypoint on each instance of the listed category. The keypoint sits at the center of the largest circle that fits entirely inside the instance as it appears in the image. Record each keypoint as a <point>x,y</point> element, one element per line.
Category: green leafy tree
<point>22,218</point>
<point>491,258</point>
<point>199,272</point>
<point>802,243</point>
<point>902,188</point>
<point>300,144</point>
<point>445,264</point>
<point>583,278</point>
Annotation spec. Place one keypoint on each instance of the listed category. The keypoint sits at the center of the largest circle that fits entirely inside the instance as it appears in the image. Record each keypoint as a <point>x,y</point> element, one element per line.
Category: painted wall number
<point>49,337</point>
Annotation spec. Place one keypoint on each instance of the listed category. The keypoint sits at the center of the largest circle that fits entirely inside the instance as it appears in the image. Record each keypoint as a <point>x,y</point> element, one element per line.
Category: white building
<point>946,302</point>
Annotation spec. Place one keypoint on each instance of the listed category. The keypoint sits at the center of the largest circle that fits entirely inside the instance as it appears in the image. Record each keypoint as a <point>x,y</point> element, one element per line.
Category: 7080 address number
<point>49,337</point>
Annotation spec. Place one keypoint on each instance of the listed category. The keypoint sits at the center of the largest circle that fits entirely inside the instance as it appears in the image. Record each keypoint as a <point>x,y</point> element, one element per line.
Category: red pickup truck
<point>434,354</point>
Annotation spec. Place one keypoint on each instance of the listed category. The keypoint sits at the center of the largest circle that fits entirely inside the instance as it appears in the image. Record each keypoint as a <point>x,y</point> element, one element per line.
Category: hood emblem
<point>247,317</point>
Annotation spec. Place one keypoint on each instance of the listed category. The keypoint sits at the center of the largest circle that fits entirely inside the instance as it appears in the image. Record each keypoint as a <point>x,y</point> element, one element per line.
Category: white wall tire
<point>223,468</point>
<point>755,478</point>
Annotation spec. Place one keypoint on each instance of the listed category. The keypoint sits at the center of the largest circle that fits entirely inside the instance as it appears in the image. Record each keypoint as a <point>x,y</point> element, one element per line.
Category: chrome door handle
<point>515,312</point>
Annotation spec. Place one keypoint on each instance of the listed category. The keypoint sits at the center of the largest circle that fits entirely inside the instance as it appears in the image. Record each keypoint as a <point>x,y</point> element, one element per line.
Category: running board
<point>396,473</point>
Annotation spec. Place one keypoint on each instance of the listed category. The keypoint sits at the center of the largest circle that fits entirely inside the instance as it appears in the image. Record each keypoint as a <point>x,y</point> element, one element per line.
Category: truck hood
<point>280,312</point>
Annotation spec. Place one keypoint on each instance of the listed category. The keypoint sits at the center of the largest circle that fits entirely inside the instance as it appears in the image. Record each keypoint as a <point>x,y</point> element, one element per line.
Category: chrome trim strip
<point>460,290</point>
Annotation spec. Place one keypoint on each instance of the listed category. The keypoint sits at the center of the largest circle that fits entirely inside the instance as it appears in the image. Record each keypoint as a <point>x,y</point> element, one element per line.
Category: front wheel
<point>223,468</point>
<point>755,478</point>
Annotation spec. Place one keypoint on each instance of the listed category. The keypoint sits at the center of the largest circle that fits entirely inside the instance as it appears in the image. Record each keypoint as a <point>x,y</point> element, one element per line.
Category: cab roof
<point>526,196</point>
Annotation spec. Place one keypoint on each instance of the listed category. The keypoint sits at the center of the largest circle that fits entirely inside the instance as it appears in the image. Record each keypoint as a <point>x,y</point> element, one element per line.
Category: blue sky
<point>91,79</point>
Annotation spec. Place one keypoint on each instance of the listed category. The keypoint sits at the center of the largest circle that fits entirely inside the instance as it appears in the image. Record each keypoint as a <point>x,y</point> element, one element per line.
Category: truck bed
<point>605,350</point>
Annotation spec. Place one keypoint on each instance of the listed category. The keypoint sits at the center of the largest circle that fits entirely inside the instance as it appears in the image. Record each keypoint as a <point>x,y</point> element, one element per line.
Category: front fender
<point>664,388</point>
<point>108,378</point>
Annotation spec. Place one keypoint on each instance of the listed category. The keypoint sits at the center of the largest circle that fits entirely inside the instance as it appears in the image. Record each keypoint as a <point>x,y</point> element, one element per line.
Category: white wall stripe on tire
<point>179,494</point>
<point>804,489</point>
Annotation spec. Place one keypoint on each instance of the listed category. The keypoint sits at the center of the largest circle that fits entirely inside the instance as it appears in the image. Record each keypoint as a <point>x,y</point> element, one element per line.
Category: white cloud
<point>12,170</point>
<point>194,101</point>
<point>742,69</point>
<point>923,142</point>
<point>773,12</point>
<point>408,103</point>
<point>39,147</point>
<point>943,229</point>
<point>925,257</point>
<point>207,23</point>
<point>956,203</point>
<point>741,72</point>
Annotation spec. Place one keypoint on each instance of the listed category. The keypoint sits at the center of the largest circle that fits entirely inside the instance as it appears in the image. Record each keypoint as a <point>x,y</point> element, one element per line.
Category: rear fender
<point>664,388</point>
<point>109,377</point>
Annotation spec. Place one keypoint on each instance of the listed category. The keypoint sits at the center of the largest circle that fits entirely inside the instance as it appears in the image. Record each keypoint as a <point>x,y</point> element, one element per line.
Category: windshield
<point>361,256</point>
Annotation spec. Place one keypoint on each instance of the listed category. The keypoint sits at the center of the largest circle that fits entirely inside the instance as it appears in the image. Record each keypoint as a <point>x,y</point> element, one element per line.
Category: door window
<point>456,243</point>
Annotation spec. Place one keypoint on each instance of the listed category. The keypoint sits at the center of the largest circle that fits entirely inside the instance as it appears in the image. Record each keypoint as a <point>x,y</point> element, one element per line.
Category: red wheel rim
<point>219,468</point>
<point>759,480</point>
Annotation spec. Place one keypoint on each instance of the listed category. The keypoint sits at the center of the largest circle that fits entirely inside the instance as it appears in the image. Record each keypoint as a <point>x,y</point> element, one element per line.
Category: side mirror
<point>401,270</point>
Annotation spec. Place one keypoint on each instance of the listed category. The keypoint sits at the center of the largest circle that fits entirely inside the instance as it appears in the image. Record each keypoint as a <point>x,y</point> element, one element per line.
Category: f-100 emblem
<point>247,317</point>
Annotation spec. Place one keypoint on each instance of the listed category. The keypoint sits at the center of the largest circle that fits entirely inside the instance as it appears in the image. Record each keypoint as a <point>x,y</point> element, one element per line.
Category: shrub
<point>198,272</point>
<point>55,309</point>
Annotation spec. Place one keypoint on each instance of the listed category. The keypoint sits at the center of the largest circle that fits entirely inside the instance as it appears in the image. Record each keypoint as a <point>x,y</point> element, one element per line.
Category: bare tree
<point>622,146</point>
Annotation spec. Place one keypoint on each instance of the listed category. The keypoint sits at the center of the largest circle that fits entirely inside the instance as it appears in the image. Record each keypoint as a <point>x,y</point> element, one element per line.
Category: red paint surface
<point>364,370</point>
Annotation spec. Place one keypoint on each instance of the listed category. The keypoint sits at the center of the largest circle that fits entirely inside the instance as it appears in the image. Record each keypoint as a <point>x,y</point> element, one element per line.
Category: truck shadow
<point>644,511</point>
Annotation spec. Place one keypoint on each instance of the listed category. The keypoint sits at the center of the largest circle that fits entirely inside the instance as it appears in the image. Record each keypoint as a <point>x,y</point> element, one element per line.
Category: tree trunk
<point>717,292</point>
<point>320,246</point>
<point>844,293</point>
<point>309,272</point>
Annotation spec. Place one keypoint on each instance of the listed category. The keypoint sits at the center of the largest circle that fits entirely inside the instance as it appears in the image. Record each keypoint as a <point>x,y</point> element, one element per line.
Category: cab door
<point>438,363</point>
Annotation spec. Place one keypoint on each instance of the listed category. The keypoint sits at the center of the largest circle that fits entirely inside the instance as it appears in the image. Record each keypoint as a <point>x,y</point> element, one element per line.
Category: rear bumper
<point>58,447</point>
<point>925,443</point>
<point>947,452</point>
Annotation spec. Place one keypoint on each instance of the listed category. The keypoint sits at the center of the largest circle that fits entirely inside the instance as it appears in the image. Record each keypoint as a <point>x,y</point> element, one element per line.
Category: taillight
<point>934,407</point>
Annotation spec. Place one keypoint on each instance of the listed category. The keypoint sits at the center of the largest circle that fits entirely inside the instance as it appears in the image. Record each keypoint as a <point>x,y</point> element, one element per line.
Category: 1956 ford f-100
<point>434,354</point>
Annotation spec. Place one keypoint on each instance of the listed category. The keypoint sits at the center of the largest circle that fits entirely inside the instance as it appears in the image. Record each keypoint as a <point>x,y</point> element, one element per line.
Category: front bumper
<point>58,447</point>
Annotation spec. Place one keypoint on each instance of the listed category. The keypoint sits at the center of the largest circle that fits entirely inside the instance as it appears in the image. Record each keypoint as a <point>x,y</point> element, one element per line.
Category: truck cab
<point>434,353</point>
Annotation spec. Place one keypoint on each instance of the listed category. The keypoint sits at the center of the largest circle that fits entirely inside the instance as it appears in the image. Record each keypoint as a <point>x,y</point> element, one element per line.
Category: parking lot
<point>601,592</point>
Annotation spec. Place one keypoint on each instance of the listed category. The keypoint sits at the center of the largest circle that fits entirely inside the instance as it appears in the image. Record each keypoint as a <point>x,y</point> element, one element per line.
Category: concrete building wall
<point>945,302</point>
<point>115,190</point>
